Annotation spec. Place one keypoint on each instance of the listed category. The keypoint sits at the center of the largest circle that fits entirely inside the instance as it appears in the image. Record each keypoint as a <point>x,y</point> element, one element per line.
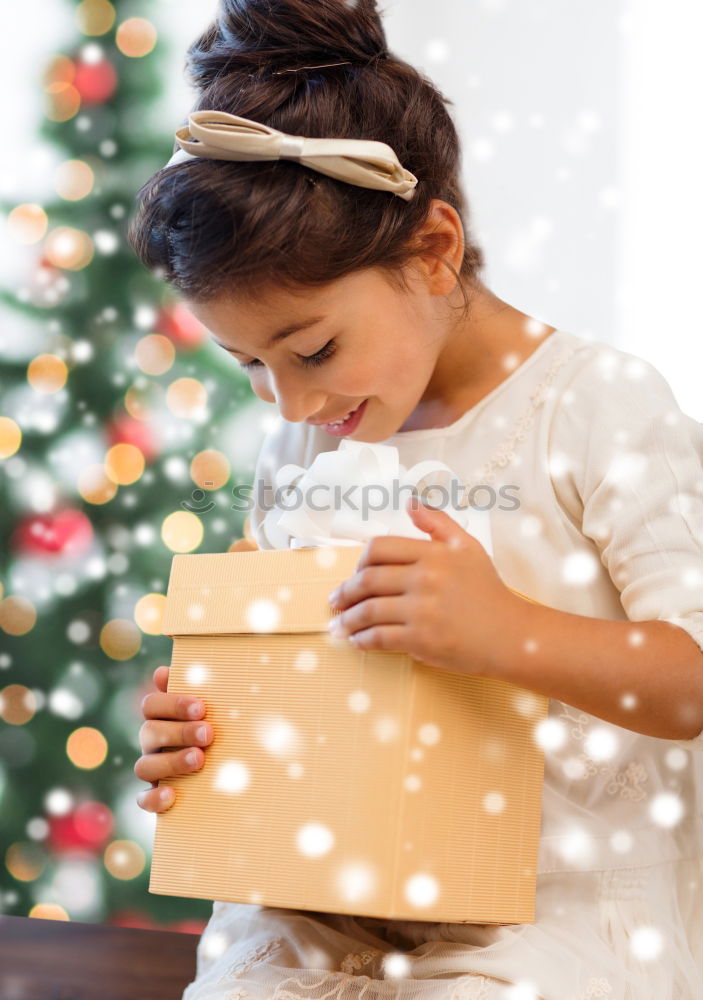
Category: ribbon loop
<point>218,135</point>
<point>357,492</point>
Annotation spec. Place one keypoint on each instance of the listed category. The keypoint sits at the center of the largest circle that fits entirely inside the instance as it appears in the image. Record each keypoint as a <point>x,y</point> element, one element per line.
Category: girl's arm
<point>644,676</point>
<point>632,478</point>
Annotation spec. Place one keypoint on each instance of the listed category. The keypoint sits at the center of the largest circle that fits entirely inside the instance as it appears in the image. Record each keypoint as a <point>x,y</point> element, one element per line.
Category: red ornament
<point>68,532</point>
<point>86,828</point>
<point>182,327</point>
<point>126,430</point>
<point>93,822</point>
<point>63,836</point>
<point>95,82</point>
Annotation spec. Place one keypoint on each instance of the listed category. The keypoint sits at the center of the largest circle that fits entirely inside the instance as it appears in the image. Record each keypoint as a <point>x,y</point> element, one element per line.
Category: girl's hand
<point>161,740</point>
<point>439,600</point>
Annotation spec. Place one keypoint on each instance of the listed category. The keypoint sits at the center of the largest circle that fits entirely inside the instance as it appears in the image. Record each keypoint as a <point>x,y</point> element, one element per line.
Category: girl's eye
<point>313,359</point>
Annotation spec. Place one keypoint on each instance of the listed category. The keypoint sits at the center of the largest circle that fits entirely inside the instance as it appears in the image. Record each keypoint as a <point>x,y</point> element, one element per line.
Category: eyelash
<point>311,361</point>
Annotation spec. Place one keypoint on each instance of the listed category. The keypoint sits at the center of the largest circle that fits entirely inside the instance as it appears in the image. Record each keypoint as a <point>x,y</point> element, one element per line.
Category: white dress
<point>609,473</point>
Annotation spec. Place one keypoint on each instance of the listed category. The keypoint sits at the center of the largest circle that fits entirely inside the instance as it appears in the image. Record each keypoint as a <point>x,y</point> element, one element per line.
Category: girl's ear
<point>442,237</point>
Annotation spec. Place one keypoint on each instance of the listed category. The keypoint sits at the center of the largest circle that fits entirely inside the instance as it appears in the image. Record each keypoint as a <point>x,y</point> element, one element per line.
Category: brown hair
<point>212,227</point>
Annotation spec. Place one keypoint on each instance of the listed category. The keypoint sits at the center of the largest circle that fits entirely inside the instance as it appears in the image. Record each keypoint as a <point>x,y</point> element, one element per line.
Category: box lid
<point>250,592</point>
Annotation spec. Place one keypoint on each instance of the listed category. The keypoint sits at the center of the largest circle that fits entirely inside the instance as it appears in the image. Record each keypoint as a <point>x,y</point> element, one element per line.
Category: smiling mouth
<point>338,420</point>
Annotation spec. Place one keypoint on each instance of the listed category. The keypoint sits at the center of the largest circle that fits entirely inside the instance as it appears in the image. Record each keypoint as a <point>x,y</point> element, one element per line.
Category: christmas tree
<point>122,433</point>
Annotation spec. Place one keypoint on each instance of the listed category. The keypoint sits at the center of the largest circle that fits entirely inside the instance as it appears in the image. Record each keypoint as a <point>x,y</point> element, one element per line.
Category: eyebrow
<point>281,334</point>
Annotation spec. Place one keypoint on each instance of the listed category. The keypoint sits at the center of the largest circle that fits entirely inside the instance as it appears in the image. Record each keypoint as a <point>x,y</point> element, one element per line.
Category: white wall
<point>582,152</point>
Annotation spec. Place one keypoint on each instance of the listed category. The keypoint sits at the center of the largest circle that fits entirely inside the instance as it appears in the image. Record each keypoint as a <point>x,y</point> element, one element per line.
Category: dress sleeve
<point>627,467</point>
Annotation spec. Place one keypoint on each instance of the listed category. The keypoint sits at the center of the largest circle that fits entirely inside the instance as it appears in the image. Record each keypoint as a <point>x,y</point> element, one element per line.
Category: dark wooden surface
<point>65,960</point>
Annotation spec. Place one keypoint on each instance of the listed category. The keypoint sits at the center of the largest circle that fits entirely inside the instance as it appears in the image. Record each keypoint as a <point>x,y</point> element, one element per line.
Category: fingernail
<point>165,794</point>
<point>195,709</point>
<point>333,597</point>
<point>201,734</point>
<point>336,626</point>
<point>192,758</point>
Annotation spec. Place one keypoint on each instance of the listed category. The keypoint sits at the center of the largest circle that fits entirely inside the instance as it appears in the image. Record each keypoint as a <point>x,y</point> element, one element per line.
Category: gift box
<point>340,780</point>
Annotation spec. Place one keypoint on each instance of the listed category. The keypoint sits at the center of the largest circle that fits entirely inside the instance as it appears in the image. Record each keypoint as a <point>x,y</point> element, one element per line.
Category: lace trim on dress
<point>506,451</point>
<point>251,958</point>
<point>627,781</point>
<point>464,988</point>
<point>595,988</point>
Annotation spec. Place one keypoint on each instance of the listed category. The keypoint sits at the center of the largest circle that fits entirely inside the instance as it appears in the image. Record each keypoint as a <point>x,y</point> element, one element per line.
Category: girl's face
<point>357,340</point>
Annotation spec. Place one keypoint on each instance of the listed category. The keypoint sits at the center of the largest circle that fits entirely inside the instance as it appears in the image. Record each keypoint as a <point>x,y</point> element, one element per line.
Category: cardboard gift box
<point>340,780</point>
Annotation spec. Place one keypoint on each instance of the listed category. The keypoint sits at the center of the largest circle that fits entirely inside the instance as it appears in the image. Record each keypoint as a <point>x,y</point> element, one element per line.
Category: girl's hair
<point>212,227</point>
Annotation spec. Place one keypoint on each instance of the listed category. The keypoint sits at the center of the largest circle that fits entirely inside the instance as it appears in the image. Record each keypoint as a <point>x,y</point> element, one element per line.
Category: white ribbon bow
<point>218,135</point>
<point>359,491</point>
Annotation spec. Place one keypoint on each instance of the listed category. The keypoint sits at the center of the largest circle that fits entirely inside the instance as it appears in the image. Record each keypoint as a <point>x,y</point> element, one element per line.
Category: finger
<point>161,678</point>
<point>157,734</point>
<point>389,638</point>
<point>393,549</point>
<point>154,766</point>
<point>157,799</point>
<point>158,705</point>
<point>371,581</point>
<point>369,613</point>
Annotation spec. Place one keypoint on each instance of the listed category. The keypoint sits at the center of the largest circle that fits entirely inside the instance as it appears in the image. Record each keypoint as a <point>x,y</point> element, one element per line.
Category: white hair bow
<point>218,135</point>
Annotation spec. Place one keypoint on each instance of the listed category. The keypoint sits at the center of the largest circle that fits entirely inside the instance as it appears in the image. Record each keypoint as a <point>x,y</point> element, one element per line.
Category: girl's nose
<point>296,408</point>
<point>296,402</point>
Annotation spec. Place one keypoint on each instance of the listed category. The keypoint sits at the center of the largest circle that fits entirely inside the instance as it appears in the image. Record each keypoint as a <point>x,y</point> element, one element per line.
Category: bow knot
<point>218,135</point>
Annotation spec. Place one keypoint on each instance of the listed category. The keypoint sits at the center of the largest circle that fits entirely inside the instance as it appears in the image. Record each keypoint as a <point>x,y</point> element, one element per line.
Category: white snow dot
<point>306,661</point>
<point>313,840</point>
<point>502,121</point>
<point>386,728</point>
<point>522,990</point>
<point>437,50</point>
<point>358,701</point>
<point>600,744</point>
<point>646,943</point>
<point>58,802</point>
<point>106,242</point>
<point>356,882</point>
<point>531,525</point>
<point>429,734</point>
<point>278,735</point>
<point>574,769</point>
<point>676,758</point>
<point>579,567</point>
<point>263,615</point>
<point>196,674</point>
<point>666,809</point>
<point>396,966</point>
<point>78,631</point>
<point>213,944</point>
<point>92,53</point>
<point>482,149</point>
<point>550,734</point>
<point>494,803</point>
<point>232,777</point>
<point>577,847</point>
<point>421,890</point>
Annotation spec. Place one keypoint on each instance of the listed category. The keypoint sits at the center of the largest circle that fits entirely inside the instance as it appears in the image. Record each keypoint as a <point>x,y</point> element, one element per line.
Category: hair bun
<point>283,34</point>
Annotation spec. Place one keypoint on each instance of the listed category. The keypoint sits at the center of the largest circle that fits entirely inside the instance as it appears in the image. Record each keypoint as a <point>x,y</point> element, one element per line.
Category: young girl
<point>343,278</point>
